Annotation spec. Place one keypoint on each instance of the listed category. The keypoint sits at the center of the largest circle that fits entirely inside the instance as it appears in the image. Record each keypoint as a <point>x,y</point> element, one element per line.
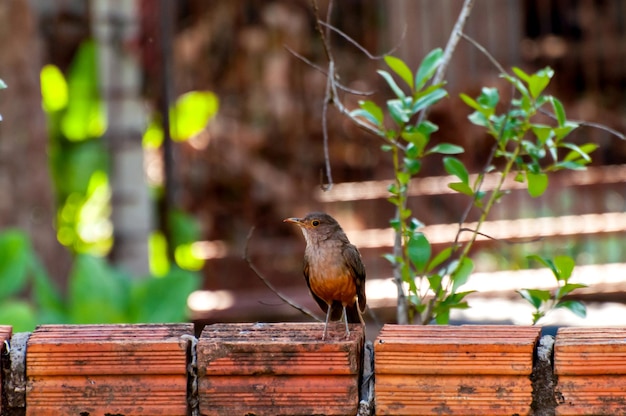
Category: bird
<point>333,269</point>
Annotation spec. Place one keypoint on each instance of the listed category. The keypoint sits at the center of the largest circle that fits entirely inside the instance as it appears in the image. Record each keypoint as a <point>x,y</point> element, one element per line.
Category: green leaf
<point>542,131</point>
<point>54,92</point>
<point>403,177</point>
<point>374,111</point>
<point>97,292</point>
<point>578,308</point>
<point>442,256</point>
<point>461,274</point>
<point>571,165</point>
<point>359,112</point>
<point>397,112</point>
<point>471,102</point>
<point>47,296</point>
<point>539,81</point>
<point>415,137</point>
<point>14,262</point>
<point>413,166</point>
<point>559,111</point>
<point>582,154</point>
<point>546,262</point>
<point>19,314</point>
<point>488,99</point>
<point>419,251</point>
<point>399,67</point>
<point>85,115</point>
<point>579,151</point>
<point>455,167</point>
<point>479,119</point>
<point>564,266</point>
<point>434,282</point>
<point>427,128</point>
<point>537,183</point>
<point>565,129</point>
<point>428,100</point>
<point>3,85</point>
<point>519,86</point>
<point>191,113</point>
<point>535,297</point>
<point>462,188</point>
<point>427,67</point>
<point>442,316</point>
<point>446,149</point>
<point>521,74</point>
<point>163,299</point>
<point>392,84</point>
<point>567,288</point>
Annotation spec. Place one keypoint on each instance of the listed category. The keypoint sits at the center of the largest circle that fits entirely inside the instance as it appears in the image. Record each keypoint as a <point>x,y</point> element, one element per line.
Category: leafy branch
<point>428,286</point>
<point>545,300</point>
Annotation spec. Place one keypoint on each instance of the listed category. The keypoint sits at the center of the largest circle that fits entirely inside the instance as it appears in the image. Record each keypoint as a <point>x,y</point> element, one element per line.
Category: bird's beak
<point>293,220</point>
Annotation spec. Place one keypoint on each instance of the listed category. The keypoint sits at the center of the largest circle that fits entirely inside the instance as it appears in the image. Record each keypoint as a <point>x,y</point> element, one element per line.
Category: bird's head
<point>316,226</point>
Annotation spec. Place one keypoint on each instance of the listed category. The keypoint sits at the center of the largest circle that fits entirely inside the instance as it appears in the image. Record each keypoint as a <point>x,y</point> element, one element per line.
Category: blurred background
<point>142,140</point>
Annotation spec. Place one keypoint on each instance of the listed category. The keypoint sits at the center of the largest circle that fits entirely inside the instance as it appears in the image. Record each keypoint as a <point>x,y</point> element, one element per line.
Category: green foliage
<point>546,300</point>
<point>78,156</point>
<point>188,116</point>
<point>97,292</point>
<point>527,147</point>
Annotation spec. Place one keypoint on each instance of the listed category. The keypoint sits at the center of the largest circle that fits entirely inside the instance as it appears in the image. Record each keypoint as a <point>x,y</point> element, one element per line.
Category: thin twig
<point>327,99</point>
<point>269,285</point>
<point>328,94</point>
<point>453,41</point>
<point>323,71</point>
<point>485,52</point>
<point>499,240</point>
<point>359,46</point>
<point>588,124</point>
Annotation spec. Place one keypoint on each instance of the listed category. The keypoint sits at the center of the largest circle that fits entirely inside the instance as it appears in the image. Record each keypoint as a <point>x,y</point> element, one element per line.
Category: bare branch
<point>453,41</point>
<point>588,124</point>
<point>499,240</point>
<point>323,71</point>
<point>268,284</point>
<point>358,45</point>
<point>601,127</point>
<point>327,98</point>
<point>485,52</point>
<point>449,51</point>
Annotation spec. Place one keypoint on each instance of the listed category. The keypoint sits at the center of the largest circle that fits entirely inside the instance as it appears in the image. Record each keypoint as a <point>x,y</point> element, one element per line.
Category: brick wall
<point>285,368</point>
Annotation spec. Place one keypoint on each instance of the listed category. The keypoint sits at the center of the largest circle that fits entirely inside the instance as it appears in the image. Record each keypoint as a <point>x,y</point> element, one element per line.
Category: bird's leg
<point>345,319</point>
<point>326,323</point>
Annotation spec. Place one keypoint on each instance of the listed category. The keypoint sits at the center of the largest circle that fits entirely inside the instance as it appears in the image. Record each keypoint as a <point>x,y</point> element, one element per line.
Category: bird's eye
<point>315,223</point>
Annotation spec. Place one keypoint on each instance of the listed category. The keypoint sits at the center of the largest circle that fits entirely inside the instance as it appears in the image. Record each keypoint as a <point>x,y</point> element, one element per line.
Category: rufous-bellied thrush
<point>333,269</point>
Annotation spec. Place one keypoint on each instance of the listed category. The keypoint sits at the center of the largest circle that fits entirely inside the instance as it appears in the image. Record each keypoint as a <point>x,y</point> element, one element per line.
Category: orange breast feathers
<point>333,282</point>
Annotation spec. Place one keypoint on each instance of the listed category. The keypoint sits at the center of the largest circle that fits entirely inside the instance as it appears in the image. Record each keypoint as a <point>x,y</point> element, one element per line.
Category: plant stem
<point>492,198</point>
<point>402,314</point>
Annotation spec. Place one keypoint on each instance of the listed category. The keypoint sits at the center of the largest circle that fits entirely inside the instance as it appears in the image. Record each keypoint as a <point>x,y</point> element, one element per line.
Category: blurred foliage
<point>188,116</point>
<point>78,155</point>
<point>97,292</point>
<point>79,164</point>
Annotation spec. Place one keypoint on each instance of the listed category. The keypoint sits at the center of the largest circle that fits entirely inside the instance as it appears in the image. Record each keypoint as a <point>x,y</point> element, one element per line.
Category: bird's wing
<point>352,258</point>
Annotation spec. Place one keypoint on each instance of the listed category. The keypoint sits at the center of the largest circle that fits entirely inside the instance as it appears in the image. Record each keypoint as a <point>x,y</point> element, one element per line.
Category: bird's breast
<point>329,276</point>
